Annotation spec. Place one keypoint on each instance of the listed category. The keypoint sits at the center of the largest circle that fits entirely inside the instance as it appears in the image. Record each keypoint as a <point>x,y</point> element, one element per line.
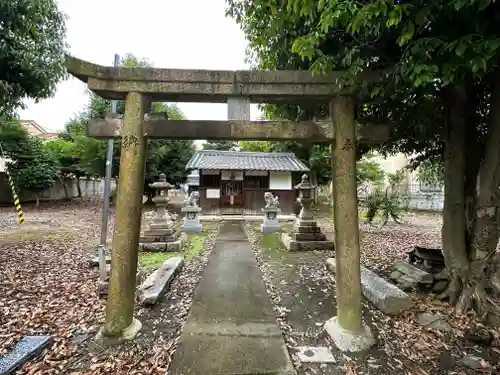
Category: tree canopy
<point>436,81</point>
<point>32,50</point>
<point>163,156</point>
<point>32,167</point>
<point>220,145</point>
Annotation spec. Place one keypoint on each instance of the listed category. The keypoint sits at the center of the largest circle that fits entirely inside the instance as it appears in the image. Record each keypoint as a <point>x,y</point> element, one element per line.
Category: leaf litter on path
<point>403,345</point>
<point>48,288</point>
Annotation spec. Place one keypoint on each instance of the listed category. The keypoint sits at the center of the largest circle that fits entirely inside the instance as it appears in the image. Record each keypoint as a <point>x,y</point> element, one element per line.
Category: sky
<point>190,34</point>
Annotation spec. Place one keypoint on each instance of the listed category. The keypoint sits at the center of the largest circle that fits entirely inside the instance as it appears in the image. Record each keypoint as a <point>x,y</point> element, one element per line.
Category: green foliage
<point>11,134</point>
<point>220,145</point>
<point>395,178</point>
<point>31,51</point>
<point>163,156</point>
<point>255,146</point>
<point>369,170</point>
<point>32,167</point>
<point>418,49</point>
<point>66,153</point>
<point>431,172</point>
<point>387,205</point>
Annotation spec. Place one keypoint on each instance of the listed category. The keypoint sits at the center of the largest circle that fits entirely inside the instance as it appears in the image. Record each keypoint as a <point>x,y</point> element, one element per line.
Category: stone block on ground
<point>440,286</point>
<point>293,245</point>
<point>27,348</point>
<point>472,362</point>
<point>406,284</point>
<point>478,336</point>
<point>437,322</point>
<point>173,246</point>
<point>414,273</point>
<point>315,354</point>
<point>384,295</point>
<point>154,287</point>
<point>395,275</point>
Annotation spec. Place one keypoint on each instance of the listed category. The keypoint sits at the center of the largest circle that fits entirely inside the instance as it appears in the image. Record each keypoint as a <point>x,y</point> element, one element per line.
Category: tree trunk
<point>470,217</point>
<point>78,187</point>
<point>37,197</point>
<point>453,234</point>
<point>65,188</point>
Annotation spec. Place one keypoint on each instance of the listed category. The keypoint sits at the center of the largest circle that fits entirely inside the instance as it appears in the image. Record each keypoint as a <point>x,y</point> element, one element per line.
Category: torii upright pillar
<point>346,329</point>
<point>120,323</point>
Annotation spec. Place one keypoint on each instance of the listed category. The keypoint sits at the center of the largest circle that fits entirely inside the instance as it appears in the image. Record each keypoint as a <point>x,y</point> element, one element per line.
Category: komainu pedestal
<point>306,234</point>
<point>191,222</point>
<point>271,211</point>
<point>162,234</point>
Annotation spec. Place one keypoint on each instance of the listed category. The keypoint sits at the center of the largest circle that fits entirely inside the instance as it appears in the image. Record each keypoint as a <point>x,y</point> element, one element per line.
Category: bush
<point>388,205</point>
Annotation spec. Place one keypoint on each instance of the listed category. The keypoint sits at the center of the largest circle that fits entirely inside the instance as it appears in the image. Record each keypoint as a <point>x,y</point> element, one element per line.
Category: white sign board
<point>213,194</point>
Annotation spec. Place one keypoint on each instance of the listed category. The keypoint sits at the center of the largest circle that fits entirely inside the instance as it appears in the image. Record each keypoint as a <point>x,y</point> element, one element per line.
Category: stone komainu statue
<point>192,200</point>
<point>270,200</point>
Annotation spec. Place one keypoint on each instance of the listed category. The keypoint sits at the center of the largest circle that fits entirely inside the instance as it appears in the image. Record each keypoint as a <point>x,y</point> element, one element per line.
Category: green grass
<point>152,261</point>
<point>149,261</point>
<point>194,245</point>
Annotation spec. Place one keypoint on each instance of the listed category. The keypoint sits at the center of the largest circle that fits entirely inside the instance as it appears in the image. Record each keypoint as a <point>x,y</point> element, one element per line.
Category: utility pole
<point>103,274</point>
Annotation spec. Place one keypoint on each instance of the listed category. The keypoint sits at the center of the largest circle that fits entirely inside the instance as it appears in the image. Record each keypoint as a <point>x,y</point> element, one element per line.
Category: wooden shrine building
<point>234,182</point>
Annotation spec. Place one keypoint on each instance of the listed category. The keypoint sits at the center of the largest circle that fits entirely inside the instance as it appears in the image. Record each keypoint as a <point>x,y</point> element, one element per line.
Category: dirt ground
<point>48,287</point>
<point>303,291</point>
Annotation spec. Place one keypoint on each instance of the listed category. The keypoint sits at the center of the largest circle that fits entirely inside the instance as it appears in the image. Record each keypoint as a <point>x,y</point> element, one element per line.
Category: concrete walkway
<point>243,217</point>
<point>231,328</point>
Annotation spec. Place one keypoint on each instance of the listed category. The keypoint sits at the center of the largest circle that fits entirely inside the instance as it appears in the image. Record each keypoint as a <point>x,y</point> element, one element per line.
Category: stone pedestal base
<point>191,228</point>
<point>266,228</point>
<point>348,341</point>
<point>164,246</point>
<point>159,235</point>
<point>191,221</point>
<point>127,334</point>
<point>270,223</point>
<point>292,244</point>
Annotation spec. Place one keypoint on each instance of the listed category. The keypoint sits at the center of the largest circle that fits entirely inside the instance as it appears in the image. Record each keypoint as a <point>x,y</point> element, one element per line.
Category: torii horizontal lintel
<point>215,86</point>
<point>311,131</point>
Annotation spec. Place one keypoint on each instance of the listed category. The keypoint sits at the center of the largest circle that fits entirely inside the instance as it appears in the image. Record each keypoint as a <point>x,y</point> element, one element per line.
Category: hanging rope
<point>17,204</point>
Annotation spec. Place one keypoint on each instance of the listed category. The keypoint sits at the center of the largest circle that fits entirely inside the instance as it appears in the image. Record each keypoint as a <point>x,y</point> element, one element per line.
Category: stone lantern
<point>306,234</point>
<point>306,198</point>
<point>162,234</point>
<point>161,200</point>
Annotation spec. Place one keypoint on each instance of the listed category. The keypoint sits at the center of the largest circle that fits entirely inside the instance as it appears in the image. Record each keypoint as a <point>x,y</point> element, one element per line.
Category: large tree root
<point>473,291</point>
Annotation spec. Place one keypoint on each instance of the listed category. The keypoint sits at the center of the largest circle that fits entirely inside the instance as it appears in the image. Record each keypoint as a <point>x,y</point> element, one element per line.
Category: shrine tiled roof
<point>244,160</point>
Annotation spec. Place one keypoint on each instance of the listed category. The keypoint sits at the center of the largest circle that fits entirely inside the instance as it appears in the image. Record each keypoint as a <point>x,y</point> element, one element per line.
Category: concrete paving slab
<point>315,354</point>
<point>231,327</point>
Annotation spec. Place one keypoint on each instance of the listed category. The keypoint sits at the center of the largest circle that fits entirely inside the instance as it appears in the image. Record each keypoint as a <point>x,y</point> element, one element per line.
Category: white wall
<point>280,180</point>
<point>92,188</point>
<point>3,166</point>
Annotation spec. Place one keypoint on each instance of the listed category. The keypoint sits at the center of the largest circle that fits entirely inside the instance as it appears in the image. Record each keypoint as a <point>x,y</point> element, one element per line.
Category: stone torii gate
<point>140,86</point>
